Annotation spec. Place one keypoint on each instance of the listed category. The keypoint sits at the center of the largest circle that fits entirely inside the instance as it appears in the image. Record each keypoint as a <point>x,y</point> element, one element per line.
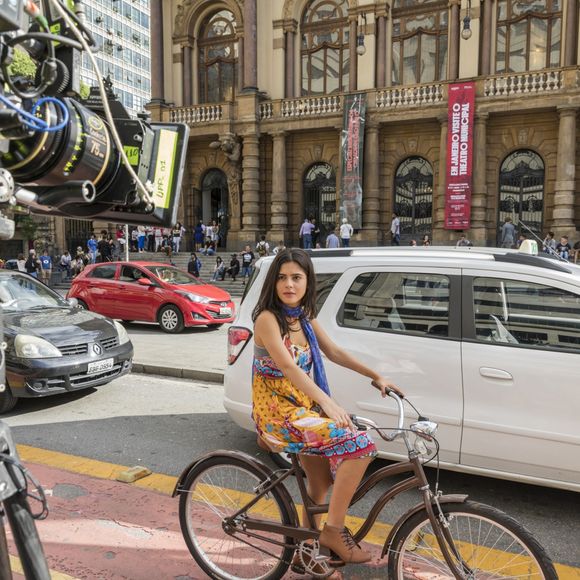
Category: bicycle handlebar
<point>364,422</point>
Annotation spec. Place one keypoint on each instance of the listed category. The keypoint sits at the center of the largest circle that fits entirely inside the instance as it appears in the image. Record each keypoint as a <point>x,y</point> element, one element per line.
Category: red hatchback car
<point>151,292</point>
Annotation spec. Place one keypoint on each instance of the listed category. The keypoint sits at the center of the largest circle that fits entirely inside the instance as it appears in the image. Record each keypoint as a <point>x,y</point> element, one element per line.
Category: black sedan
<point>54,347</point>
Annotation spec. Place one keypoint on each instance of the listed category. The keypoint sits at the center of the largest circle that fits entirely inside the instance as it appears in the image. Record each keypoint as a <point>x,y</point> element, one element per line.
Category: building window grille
<point>528,35</point>
<point>320,197</point>
<point>325,56</point>
<point>414,197</point>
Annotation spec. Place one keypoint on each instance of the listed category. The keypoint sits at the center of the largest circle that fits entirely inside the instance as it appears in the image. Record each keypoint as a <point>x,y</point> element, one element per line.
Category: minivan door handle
<point>491,373</point>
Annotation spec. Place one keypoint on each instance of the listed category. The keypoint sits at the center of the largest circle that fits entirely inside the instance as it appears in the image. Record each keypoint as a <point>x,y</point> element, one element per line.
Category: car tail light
<point>238,337</point>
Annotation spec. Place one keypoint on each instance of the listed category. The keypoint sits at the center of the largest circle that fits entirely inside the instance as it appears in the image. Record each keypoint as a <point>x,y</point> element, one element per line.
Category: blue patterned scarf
<point>317,364</point>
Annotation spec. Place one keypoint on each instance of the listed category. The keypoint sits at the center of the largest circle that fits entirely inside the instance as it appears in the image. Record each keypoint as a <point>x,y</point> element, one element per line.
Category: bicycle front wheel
<point>492,544</point>
<point>217,488</point>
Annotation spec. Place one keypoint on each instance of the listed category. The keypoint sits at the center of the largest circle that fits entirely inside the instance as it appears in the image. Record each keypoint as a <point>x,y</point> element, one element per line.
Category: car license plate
<point>100,366</point>
<point>225,311</point>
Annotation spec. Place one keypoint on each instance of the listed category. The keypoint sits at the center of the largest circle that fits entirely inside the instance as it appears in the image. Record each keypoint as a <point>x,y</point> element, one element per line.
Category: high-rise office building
<point>121,28</point>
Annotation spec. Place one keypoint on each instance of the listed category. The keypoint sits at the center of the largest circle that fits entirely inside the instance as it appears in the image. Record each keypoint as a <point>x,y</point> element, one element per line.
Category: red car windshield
<point>172,275</point>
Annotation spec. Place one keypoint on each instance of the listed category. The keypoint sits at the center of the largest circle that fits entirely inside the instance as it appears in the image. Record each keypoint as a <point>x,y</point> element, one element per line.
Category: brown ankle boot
<point>341,542</point>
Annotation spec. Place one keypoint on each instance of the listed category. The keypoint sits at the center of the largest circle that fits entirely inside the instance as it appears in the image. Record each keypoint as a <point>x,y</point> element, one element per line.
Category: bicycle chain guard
<point>314,563</point>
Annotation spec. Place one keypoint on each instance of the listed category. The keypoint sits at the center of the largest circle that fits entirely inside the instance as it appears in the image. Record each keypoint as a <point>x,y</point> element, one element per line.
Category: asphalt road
<point>165,424</point>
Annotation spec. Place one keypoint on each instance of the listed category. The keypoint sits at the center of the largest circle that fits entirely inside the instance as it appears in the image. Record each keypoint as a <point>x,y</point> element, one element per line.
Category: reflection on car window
<point>20,293</point>
<point>172,275</point>
<point>104,272</point>
<point>398,302</point>
<point>324,285</point>
<point>131,274</point>
<point>517,312</point>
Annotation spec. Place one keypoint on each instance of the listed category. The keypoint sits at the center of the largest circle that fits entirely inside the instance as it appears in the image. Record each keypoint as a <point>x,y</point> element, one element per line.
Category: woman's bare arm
<point>340,357</point>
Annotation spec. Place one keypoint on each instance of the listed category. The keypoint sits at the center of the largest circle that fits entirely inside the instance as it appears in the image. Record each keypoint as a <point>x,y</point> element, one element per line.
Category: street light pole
<point>126,242</point>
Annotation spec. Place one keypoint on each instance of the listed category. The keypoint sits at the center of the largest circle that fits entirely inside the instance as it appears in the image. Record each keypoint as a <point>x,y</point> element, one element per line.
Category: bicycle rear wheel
<point>216,488</point>
<point>490,542</point>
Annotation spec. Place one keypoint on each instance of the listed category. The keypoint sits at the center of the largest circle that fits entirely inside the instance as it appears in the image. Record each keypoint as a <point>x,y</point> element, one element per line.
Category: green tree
<point>22,64</point>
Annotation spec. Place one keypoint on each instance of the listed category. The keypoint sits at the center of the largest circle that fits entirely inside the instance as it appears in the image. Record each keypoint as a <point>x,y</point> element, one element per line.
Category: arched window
<point>320,196</point>
<point>218,58</point>
<point>414,197</point>
<point>419,48</point>
<point>325,58</point>
<point>528,35</point>
<point>521,190</point>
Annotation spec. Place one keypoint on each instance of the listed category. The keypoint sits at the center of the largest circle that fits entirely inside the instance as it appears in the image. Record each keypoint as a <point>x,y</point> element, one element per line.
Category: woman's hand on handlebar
<point>385,386</point>
<point>340,417</point>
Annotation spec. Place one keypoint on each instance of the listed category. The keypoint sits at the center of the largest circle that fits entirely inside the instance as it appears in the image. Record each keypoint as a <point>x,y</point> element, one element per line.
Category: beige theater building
<point>262,85</point>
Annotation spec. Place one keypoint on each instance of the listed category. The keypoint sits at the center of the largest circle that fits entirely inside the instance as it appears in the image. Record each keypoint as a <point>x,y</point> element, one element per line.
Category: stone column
<point>371,191</point>
<point>353,73</point>
<point>486,37</point>
<point>381,49</point>
<point>570,47</point>
<point>250,197</point>
<point>240,68</point>
<point>479,194</point>
<point>454,36</point>
<point>187,65</point>
<point>565,173</point>
<point>289,40</point>
<point>156,24</point>
<point>439,233</point>
<point>250,46</point>
<point>279,219</point>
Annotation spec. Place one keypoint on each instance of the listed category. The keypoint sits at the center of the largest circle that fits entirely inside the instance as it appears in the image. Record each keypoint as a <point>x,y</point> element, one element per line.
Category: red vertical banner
<point>459,169</point>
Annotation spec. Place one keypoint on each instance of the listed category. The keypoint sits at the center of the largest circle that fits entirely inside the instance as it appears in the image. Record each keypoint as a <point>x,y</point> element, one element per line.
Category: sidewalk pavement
<point>198,353</point>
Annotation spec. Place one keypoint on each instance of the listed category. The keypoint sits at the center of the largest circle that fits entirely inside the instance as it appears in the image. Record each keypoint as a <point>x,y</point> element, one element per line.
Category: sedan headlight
<point>27,346</point>
<point>123,334</point>
<point>194,297</point>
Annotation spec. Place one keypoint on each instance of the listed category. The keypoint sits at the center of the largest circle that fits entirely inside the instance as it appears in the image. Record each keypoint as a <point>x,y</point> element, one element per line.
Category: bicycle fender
<point>451,498</point>
<point>220,453</point>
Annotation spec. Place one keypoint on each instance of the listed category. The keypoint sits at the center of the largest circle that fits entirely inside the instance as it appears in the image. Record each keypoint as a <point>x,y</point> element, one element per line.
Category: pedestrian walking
<point>198,235</point>
<point>507,234</point>
<point>32,264</point>
<point>140,239</point>
<point>315,232</point>
<point>306,234</point>
<point>346,232</point>
<point>92,247</point>
<point>21,263</point>
<point>247,259</point>
<point>332,240</point>
<point>263,247</point>
<point>194,265</point>
<point>395,230</point>
<point>178,233</point>
<point>158,238</point>
<point>292,404</point>
<point>65,263</point>
<point>234,269</point>
<point>45,267</point>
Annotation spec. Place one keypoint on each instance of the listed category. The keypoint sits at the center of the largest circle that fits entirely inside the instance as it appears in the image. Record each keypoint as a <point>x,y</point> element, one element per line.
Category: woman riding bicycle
<point>292,406</point>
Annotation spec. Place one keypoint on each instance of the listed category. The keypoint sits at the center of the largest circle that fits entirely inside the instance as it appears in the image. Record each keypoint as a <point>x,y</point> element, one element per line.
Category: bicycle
<point>240,521</point>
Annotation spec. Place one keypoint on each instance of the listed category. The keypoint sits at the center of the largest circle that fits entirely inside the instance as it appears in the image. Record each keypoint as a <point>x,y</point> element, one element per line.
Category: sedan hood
<point>207,290</point>
<point>59,325</point>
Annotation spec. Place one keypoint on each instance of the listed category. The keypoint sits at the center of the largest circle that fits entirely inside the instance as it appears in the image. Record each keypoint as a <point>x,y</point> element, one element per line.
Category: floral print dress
<point>288,420</point>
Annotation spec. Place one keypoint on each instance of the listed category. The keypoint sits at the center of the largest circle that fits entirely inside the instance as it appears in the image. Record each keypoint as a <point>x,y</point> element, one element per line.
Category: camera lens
<point>82,151</point>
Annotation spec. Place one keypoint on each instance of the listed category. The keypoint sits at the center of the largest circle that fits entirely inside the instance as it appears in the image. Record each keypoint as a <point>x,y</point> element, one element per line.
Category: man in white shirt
<point>395,230</point>
<point>346,232</point>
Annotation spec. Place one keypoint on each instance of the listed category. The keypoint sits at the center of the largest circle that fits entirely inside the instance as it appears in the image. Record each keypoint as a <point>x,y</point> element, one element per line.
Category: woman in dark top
<point>194,265</point>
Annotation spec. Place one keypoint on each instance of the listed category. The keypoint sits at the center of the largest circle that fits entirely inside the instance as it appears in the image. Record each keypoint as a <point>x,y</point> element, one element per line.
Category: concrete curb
<point>179,373</point>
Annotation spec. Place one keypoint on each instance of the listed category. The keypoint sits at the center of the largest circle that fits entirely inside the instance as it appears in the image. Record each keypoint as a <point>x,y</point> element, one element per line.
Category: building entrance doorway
<point>319,188</point>
<point>215,202</point>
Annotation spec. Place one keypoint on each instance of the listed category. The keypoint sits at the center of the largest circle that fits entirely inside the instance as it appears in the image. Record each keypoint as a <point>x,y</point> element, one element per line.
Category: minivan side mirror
<point>144,282</point>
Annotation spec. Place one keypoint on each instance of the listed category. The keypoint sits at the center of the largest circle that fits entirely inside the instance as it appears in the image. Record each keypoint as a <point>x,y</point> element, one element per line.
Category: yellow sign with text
<point>164,168</point>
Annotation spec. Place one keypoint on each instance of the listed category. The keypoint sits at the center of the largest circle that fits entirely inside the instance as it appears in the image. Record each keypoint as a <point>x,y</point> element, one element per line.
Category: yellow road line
<point>17,568</point>
<point>164,484</point>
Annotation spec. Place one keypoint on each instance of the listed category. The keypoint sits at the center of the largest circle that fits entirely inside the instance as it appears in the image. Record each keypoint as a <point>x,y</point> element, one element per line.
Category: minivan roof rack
<point>482,253</point>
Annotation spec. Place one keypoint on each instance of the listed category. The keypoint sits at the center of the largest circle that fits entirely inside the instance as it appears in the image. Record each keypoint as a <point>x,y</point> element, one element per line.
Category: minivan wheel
<point>170,319</point>
<point>7,400</point>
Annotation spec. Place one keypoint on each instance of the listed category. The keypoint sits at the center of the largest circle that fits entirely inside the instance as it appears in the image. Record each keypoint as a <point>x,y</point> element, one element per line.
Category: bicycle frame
<point>237,523</point>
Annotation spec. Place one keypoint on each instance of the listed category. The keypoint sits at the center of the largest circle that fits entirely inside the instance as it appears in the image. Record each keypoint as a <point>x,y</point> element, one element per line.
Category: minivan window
<point>104,272</point>
<point>533,315</point>
<point>324,285</point>
<point>406,303</point>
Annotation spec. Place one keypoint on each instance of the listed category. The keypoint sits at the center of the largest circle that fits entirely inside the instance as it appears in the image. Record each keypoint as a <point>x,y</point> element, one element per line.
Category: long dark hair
<point>269,300</point>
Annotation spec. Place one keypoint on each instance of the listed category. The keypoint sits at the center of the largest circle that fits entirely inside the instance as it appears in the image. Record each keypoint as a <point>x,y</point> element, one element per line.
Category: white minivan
<point>486,342</point>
